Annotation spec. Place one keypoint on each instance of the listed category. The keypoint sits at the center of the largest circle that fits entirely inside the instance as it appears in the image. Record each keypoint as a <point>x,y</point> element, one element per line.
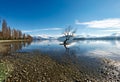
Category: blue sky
<point>38,17</point>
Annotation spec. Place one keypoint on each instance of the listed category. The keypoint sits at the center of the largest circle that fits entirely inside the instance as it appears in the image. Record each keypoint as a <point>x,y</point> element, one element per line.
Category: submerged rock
<point>35,67</point>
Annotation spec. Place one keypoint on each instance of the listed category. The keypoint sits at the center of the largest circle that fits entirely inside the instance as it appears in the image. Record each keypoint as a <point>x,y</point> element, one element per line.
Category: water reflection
<point>69,56</point>
<point>9,47</point>
<point>94,48</point>
<point>88,48</point>
<point>103,42</point>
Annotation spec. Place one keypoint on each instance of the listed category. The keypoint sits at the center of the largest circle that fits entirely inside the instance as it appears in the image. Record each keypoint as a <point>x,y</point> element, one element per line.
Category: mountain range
<point>113,36</point>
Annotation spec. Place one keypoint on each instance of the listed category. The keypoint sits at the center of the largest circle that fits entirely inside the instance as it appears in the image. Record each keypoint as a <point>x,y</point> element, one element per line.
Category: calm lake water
<point>88,48</point>
<point>84,49</point>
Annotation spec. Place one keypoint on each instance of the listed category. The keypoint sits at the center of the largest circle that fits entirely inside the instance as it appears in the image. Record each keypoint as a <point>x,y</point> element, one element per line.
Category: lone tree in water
<point>68,33</point>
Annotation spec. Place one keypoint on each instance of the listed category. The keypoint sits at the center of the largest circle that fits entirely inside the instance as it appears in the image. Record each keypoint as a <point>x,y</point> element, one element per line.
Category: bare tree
<point>20,34</point>
<point>14,34</point>
<point>29,37</point>
<point>17,34</point>
<point>68,33</point>
<point>24,36</point>
<point>9,33</point>
<point>4,29</point>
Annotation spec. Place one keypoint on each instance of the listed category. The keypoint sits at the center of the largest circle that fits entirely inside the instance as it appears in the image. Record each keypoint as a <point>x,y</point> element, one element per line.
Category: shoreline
<point>33,67</point>
<point>1,41</point>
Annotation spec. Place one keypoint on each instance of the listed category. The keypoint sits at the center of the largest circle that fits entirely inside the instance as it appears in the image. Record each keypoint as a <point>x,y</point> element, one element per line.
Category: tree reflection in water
<point>11,47</point>
<point>69,56</point>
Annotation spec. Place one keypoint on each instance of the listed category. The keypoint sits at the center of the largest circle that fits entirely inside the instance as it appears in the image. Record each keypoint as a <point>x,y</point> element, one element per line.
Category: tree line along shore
<point>6,33</point>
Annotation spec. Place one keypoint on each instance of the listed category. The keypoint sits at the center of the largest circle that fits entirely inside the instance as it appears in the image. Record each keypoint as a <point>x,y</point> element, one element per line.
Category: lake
<point>88,48</point>
<point>91,56</point>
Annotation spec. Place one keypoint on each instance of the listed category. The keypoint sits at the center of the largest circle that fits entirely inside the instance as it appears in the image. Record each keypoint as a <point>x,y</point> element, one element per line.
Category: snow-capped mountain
<point>78,37</point>
<point>44,37</point>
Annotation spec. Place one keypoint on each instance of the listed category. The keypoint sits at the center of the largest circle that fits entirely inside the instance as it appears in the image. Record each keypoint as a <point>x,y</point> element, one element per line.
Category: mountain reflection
<point>106,42</point>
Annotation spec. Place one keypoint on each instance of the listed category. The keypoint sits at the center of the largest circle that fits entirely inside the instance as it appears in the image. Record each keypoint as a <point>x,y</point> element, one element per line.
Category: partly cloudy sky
<point>105,23</point>
<point>110,25</point>
<point>51,17</point>
<point>44,29</point>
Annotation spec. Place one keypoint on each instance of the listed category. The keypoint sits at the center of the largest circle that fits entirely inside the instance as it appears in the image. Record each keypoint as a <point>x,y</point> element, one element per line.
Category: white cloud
<point>105,23</point>
<point>51,29</point>
<point>113,30</point>
<point>100,53</point>
<point>37,30</point>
